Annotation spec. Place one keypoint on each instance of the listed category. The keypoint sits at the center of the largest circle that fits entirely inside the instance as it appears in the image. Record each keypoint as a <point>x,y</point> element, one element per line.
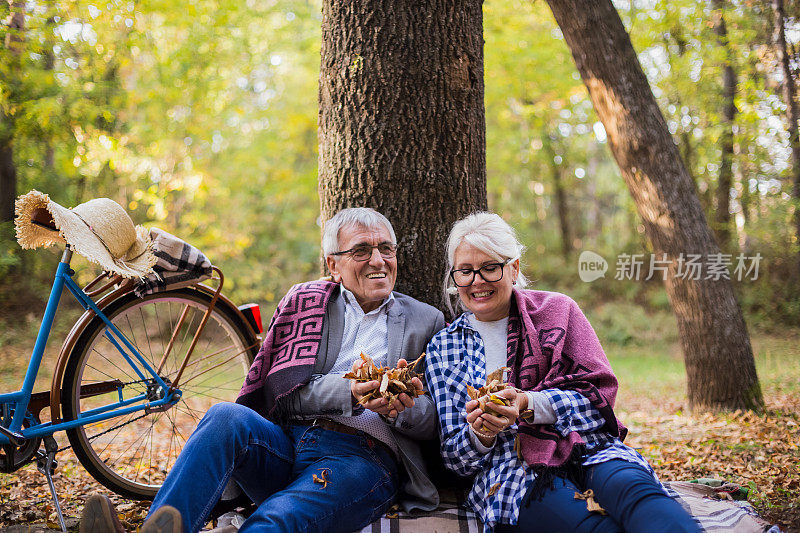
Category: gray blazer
<point>411,325</point>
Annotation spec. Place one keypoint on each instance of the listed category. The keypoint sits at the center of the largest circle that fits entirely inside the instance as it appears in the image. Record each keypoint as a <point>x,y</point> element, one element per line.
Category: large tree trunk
<point>788,90</point>
<point>401,123</point>
<point>719,360</point>
<point>722,218</point>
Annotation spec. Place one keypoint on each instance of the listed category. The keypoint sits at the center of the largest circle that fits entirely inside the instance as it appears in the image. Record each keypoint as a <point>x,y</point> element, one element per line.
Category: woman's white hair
<point>352,216</point>
<point>491,235</point>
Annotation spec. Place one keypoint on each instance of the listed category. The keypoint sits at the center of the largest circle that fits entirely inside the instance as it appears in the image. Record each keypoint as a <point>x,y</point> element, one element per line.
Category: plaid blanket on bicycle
<point>178,264</point>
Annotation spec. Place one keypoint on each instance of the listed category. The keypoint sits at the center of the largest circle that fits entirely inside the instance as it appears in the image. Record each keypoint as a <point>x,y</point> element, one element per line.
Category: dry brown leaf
<point>322,478</point>
<point>591,505</point>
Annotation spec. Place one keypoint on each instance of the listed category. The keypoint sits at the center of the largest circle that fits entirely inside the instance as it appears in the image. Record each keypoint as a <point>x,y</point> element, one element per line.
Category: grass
<point>645,353</point>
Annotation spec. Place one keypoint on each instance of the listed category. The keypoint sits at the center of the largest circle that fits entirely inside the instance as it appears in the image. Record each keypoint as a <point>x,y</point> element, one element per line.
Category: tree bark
<point>788,92</point>
<point>722,218</point>
<point>401,123</point>
<point>719,359</point>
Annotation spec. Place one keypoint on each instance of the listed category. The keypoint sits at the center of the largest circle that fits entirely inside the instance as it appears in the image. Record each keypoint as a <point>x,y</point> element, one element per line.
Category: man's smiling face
<point>370,281</point>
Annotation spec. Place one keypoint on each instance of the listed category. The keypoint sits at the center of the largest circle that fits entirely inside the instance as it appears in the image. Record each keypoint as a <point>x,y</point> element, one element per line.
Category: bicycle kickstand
<point>46,463</point>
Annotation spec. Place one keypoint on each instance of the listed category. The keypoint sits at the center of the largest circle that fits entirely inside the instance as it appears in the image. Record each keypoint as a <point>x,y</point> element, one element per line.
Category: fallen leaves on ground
<point>759,451</point>
<point>25,496</point>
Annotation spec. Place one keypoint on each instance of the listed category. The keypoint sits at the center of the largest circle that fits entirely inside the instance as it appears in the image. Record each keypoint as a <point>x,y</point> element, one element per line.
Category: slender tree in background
<point>722,216</point>
<point>401,123</point>
<point>560,195</point>
<point>15,19</point>
<point>788,92</point>
<point>719,359</point>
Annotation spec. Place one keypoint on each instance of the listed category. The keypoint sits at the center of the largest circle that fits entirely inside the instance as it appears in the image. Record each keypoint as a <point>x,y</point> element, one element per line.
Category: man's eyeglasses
<point>491,272</point>
<point>363,252</point>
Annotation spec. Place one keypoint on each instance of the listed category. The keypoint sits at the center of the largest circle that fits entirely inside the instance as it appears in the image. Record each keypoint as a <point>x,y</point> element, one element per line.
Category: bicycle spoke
<point>133,452</point>
<point>147,336</point>
<point>94,380</point>
<point>160,336</point>
<point>206,390</point>
<point>99,454</point>
<point>202,386</point>
<point>132,333</point>
<point>217,398</point>
<point>148,436</point>
<point>195,376</point>
<point>150,460</point>
<point>171,440</point>
<point>141,440</point>
<point>196,362</point>
<point>119,367</point>
<point>171,322</point>
<point>182,352</point>
<point>184,408</point>
<point>131,338</point>
<point>176,431</point>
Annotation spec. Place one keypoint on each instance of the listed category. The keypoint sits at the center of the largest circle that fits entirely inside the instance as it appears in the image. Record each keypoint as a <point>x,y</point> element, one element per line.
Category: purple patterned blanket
<point>287,356</point>
<point>552,345</point>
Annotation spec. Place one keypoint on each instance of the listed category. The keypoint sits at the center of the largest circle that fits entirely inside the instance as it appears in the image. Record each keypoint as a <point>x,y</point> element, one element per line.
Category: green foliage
<point>200,118</point>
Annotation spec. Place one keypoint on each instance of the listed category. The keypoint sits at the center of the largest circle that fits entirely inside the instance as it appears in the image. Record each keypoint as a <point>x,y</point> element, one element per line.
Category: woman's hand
<point>496,418</point>
<point>381,405</point>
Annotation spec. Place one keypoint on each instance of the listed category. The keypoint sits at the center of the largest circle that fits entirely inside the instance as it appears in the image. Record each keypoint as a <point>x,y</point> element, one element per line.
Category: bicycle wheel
<point>133,453</point>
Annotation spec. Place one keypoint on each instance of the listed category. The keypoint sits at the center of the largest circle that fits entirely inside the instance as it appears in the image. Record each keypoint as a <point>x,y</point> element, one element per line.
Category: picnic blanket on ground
<point>178,264</point>
<point>715,514</point>
<point>702,502</point>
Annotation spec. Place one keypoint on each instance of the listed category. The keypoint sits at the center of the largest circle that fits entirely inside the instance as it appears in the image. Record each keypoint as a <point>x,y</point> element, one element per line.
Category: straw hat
<point>100,230</point>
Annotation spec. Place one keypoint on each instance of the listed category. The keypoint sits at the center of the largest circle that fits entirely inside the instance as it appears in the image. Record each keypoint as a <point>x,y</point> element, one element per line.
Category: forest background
<point>200,117</point>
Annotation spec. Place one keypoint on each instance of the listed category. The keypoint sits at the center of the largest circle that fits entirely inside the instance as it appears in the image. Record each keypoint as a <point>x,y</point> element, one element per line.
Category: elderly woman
<point>558,438</point>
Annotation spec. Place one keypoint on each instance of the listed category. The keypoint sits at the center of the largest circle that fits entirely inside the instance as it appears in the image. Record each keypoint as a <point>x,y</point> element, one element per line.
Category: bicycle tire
<point>132,454</point>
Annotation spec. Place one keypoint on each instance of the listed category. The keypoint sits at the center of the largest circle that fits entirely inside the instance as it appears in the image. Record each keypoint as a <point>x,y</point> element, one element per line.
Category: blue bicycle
<point>133,378</point>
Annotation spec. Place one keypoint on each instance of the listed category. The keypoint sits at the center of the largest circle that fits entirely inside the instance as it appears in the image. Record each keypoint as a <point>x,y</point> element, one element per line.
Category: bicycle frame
<point>20,399</point>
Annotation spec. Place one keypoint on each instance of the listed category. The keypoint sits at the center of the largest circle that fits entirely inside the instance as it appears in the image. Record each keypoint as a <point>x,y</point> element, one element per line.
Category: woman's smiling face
<point>487,300</point>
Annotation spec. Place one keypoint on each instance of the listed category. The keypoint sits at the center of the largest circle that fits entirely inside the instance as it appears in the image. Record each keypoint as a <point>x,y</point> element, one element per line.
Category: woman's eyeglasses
<point>491,272</point>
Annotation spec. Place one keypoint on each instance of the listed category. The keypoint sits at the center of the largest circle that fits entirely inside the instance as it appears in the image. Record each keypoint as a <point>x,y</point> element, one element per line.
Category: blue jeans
<point>275,469</point>
<point>632,497</point>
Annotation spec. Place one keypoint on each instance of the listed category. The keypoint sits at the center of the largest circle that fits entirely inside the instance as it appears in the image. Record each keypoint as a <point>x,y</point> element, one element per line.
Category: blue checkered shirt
<point>455,358</point>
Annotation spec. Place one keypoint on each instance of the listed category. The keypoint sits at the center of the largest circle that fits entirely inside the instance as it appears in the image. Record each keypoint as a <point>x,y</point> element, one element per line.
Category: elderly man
<point>298,441</point>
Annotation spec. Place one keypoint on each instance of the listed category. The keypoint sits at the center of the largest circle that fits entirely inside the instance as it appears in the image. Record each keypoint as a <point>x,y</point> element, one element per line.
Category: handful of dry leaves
<point>393,381</point>
<point>486,394</point>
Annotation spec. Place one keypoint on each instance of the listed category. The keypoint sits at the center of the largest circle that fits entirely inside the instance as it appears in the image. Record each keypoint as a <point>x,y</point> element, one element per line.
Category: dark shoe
<point>99,516</point>
<point>166,519</point>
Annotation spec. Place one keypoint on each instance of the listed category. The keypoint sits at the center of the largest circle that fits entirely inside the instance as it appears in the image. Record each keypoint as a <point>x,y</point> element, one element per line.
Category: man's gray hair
<point>352,216</point>
<point>490,234</point>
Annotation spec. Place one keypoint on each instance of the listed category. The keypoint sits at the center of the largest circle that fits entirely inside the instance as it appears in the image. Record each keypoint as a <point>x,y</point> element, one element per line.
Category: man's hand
<point>381,405</point>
